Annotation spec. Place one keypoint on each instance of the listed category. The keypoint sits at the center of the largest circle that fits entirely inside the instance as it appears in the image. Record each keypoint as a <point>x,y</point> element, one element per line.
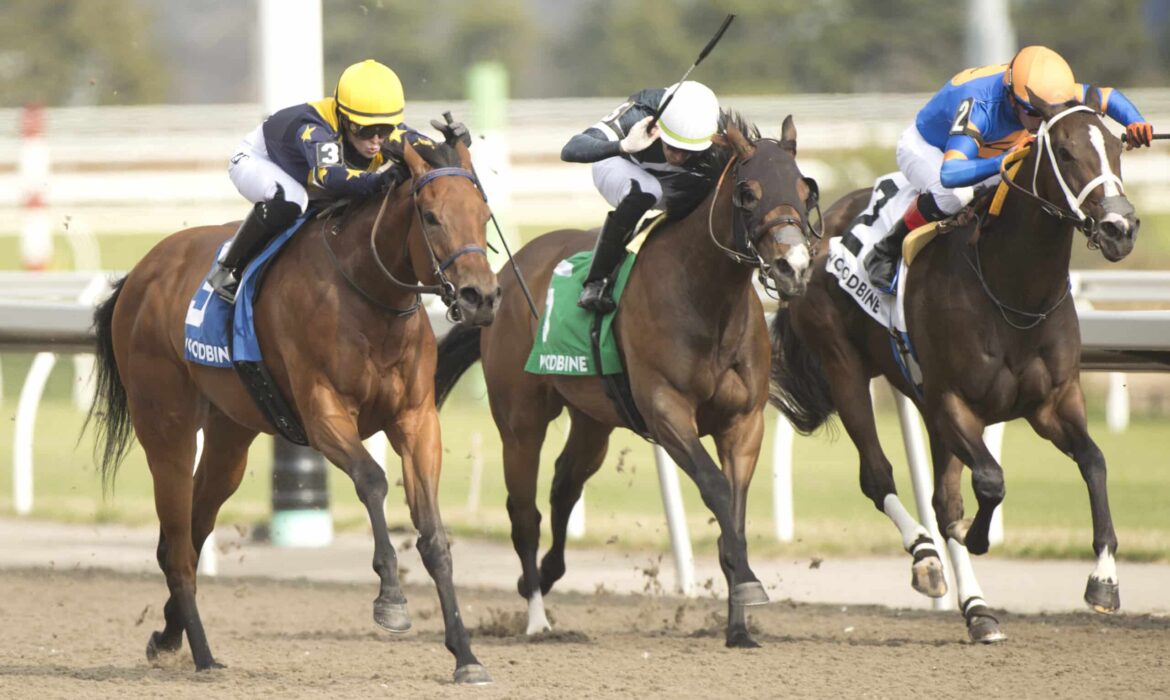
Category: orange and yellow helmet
<point>1044,72</point>
<point>370,93</point>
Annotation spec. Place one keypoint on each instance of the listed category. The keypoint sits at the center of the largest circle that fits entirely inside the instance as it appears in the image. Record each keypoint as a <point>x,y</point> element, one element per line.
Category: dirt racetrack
<point>82,633</point>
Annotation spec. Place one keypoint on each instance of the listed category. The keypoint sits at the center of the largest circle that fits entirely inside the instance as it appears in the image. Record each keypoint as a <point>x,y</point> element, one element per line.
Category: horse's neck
<point>710,281</point>
<point>358,261</point>
<point>1025,252</point>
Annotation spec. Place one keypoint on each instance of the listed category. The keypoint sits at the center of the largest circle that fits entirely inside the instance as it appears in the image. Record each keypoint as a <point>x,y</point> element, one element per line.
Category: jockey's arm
<point>962,165</point>
<point>1114,105</point>
<point>590,146</point>
<point>327,168</point>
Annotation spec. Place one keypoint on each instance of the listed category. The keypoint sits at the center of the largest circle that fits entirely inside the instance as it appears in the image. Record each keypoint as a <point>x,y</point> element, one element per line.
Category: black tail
<point>110,408</point>
<point>798,387</point>
<point>458,350</point>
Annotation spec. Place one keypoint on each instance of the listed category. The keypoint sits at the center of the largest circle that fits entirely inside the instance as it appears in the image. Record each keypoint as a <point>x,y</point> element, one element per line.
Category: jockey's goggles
<point>369,131</point>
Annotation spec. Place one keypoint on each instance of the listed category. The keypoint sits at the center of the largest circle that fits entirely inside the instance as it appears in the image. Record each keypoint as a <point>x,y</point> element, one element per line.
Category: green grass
<point>1046,509</point>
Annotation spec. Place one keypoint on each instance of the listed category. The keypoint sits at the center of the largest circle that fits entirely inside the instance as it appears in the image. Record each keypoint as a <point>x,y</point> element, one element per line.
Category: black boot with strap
<point>609,251</point>
<point>266,220</point>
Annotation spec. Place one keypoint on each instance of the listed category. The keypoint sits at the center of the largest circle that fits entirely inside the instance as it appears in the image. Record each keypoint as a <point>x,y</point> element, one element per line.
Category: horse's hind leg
<point>581,458</point>
<point>849,387</point>
<point>982,625</point>
<point>1063,422</point>
<point>165,421</point>
<point>739,450</point>
<point>414,434</point>
<point>221,469</point>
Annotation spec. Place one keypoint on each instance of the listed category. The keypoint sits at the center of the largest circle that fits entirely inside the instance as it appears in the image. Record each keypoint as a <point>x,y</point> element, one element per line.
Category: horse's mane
<point>710,166</point>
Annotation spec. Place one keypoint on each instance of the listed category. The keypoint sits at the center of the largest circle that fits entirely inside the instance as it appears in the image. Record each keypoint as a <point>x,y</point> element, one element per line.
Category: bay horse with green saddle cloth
<point>692,336</point>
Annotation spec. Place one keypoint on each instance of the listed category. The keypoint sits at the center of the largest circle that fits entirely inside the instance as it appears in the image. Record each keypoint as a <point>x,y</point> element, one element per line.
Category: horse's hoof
<point>1102,596</point>
<point>211,666</point>
<point>957,530</point>
<point>926,577</point>
<point>982,627</point>
<point>392,616</point>
<point>741,640</point>
<point>472,674</point>
<point>748,594</point>
<point>156,648</point>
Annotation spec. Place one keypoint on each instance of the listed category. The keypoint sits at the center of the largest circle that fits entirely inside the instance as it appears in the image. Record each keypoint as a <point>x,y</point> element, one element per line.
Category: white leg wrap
<point>1106,571</point>
<point>909,527</point>
<point>537,620</point>
<point>969,591</point>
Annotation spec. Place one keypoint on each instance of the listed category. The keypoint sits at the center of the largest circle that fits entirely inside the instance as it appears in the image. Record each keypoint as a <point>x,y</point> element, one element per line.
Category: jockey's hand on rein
<point>394,176</point>
<point>1138,134</point>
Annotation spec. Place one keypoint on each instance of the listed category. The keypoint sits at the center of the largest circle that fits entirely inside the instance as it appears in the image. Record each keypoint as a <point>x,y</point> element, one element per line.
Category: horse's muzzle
<point>792,269</point>
<point>477,307</point>
<point>1117,230</point>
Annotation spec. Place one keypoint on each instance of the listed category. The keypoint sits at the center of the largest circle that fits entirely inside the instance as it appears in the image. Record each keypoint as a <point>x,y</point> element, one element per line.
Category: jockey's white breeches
<point>256,177</point>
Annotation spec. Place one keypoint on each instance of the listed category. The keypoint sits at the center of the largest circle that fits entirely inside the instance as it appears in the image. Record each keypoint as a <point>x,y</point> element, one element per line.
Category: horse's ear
<point>464,154</point>
<point>743,148</point>
<point>788,135</point>
<point>414,161</point>
<point>1046,110</point>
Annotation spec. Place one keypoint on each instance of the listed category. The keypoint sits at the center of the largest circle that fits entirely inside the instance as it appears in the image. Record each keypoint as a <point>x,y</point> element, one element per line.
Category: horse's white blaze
<point>798,258</point>
<point>969,590</point>
<point>537,620</point>
<point>909,527</point>
<point>1106,571</point>
<point>1098,142</point>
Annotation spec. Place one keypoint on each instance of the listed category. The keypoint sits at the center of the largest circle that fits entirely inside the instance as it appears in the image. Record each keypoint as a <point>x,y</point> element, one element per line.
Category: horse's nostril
<point>470,296</point>
<point>783,267</point>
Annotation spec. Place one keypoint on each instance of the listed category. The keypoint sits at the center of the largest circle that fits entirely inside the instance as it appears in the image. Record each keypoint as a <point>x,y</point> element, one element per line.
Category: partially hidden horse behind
<point>349,346</point>
<point>693,339</point>
<point>996,336</point>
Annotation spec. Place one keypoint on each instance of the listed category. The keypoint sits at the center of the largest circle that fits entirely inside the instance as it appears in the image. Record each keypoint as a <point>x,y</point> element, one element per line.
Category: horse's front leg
<point>333,432</point>
<point>414,434</point>
<point>671,420</point>
<point>738,447</point>
<point>982,625</point>
<point>1063,422</point>
<point>962,432</point>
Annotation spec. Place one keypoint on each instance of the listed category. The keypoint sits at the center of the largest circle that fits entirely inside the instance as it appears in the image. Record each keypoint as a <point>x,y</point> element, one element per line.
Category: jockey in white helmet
<point>637,167</point>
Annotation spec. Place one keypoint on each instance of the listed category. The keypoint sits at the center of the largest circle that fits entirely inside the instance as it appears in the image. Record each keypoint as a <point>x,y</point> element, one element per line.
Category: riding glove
<point>640,137</point>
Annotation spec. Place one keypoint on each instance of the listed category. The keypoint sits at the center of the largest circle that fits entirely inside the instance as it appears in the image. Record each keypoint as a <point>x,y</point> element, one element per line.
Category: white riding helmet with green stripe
<point>691,118</point>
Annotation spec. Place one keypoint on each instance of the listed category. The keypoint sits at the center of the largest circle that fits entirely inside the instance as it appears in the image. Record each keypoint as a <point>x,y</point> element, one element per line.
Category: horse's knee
<point>988,485</point>
<point>877,483</point>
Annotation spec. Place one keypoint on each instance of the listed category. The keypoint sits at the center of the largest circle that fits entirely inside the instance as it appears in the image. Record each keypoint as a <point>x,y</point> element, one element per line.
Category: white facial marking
<point>1098,142</point>
<point>798,258</point>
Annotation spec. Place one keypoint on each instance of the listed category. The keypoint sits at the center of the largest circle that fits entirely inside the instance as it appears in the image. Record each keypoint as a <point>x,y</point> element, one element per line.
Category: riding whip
<point>702,54</point>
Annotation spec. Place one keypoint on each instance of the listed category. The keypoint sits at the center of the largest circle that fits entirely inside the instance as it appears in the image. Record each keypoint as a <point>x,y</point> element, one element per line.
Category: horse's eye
<point>1063,154</point>
<point>430,218</point>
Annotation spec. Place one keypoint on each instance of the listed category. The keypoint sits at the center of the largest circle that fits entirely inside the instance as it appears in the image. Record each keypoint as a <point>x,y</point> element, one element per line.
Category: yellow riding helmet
<point>370,93</point>
<point>1044,72</point>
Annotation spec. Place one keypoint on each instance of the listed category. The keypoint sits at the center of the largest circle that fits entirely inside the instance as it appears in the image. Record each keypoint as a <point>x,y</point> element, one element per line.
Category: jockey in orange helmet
<point>963,133</point>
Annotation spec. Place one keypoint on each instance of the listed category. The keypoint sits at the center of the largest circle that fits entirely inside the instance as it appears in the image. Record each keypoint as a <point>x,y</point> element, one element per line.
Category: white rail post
<point>209,555</point>
<point>1117,403</point>
<point>782,502</point>
<point>993,438</point>
<point>676,521</point>
<point>923,481</point>
<point>24,431</point>
<point>575,528</point>
<point>476,477</point>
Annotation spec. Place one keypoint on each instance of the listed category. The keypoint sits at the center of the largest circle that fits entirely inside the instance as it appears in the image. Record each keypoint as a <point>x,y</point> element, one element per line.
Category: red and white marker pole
<point>36,238</point>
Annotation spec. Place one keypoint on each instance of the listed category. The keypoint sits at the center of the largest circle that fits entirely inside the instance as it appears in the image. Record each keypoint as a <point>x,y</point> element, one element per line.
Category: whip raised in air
<point>702,54</point>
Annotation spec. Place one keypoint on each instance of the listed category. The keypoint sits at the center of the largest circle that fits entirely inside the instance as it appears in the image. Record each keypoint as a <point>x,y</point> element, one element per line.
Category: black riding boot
<point>262,223</point>
<point>882,261</point>
<point>610,249</point>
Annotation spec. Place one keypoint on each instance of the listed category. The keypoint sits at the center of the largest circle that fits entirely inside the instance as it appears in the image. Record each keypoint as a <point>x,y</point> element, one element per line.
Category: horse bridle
<point>741,235</point>
<point>1073,212</point>
<point>444,289</point>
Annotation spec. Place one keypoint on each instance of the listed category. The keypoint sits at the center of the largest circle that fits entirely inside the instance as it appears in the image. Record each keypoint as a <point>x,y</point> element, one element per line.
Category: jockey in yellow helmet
<point>963,133</point>
<point>330,148</point>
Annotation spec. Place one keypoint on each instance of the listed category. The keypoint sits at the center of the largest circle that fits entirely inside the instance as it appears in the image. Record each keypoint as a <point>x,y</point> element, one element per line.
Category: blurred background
<point>141,103</point>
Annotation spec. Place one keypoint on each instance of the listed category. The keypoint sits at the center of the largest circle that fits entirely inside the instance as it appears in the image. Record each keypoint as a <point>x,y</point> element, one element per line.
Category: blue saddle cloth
<point>218,333</point>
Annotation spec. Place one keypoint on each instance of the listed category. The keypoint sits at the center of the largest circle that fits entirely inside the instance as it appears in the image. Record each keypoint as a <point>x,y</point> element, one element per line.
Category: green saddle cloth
<point>562,344</point>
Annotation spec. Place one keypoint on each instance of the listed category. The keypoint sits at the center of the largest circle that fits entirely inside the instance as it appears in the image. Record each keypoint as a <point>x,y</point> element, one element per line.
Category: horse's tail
<point>798,387</point>
<point>110,407</point>
<point>458,351</point>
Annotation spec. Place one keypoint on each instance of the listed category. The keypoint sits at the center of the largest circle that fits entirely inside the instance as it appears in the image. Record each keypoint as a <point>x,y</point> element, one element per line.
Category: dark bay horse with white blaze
<point>693,339</point>
<point>344,338</point>
<point>996,337</point>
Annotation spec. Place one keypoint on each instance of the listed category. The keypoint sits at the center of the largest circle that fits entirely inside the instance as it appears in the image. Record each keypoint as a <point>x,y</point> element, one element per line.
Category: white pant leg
<point>256,177</point>
<point>920,163</point>
<point>612,178</point>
